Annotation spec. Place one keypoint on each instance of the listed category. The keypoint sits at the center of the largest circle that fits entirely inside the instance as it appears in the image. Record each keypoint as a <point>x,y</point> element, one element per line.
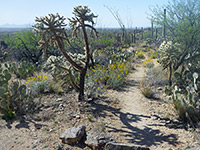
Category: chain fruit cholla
<point>52,28</point>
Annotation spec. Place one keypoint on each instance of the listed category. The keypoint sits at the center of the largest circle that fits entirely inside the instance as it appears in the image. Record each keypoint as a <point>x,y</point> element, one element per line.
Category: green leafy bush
<point>112,76</point>
<point>38,84</point>
<point>140,55</point>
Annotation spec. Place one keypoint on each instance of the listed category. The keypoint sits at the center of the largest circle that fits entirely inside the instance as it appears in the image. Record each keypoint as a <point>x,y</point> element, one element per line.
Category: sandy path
<point>133,122</point>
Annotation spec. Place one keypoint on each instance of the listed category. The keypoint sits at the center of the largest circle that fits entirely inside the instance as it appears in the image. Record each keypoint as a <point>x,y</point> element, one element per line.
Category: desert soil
<point>125,114</point>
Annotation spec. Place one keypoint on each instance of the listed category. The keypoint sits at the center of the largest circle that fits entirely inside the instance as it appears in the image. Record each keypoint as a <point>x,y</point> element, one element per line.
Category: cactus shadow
<point>146,136</point>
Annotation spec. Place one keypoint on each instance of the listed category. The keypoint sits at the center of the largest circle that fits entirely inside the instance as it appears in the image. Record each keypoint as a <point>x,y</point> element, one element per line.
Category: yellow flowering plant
<point>140,54</point>
<point>111,76</point>
<point>148,63</point>
<point>37,84</point>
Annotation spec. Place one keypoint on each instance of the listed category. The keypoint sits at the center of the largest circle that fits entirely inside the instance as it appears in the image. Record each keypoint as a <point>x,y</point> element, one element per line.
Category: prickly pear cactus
<point>12,94</point>
<point>186,94</point>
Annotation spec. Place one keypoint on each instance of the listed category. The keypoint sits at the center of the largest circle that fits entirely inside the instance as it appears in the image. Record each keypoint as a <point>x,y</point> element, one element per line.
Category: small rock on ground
<point>72,135</point>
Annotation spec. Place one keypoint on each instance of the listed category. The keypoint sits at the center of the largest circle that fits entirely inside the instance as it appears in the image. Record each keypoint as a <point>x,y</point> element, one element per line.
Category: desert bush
<point>112,76</point>
<point>111,55</point>
<point>146,89</point>
<point>140,55</point>
<point>38,84</point>
<point>148,63</point>
<point>24,46</point>
<point>157,76</point>
<point>42,83</point>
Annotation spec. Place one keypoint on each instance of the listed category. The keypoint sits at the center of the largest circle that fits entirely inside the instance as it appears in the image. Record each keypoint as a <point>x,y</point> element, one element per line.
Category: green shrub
<point>38,84</point>
<point>111,76</point>
<point>148,63</point>
<point>140,55</point>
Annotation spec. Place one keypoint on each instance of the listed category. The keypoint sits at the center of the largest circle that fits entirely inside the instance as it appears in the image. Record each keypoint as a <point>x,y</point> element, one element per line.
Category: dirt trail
<point>125,114</point>
<point>134,121</point>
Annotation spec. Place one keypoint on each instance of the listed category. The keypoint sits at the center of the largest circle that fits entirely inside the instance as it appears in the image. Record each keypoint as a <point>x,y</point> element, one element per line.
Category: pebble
<point>59,99</point>
<point>38,126</point>
<point>78,117</point>
<point>45,146</point>
<point>66,148</point>
<point>155,117</point>
<point>59,146</point>
<point>34,146</point>
<point>36,141</point>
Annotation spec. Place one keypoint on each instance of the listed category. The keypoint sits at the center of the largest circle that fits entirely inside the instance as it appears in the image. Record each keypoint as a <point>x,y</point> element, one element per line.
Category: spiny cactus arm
<point>93,29</point>
<point>75,31</point>
<point>77,88</point>
<point>61,47</point>
<point>54,33</point>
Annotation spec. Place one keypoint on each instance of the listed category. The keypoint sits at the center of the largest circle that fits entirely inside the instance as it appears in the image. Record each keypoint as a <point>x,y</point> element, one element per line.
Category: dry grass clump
<point>146,89</point>
<point>157,76</point>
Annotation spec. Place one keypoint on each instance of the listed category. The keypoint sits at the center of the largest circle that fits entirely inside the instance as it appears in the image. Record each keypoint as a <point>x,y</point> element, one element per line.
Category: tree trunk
<point>82,83</point>
<point>170,75</point>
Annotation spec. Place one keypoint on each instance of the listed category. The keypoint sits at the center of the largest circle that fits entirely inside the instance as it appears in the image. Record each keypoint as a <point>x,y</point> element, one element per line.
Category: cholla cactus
<point>52,28</point>
<point>169,55</point>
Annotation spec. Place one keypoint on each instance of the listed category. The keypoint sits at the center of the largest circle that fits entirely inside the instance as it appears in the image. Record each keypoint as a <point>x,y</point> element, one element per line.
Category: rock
<point>97,139</point>
<point>38,126</point>
<point>118,146</point>
<point>144,46</point>
<point>159,88</point>
<point>72,135</point>
<point>45,115</point>
<point>59,99</point>
<point>155,117</point>
<point>175,120</point>
<point>77,117</point>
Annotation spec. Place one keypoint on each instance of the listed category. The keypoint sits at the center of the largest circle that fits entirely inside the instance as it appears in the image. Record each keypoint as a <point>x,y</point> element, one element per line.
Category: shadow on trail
<point>146,136</point>
<point>127,84</point>
<point>23,124</point>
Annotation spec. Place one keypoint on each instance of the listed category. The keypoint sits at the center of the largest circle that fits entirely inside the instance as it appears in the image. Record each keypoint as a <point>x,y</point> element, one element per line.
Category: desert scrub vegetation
<point>23,46</point>
<point>148,63</point>
<point>157,76</point>
<point>22,69</point>
<point>38,84</point>
<point>140,55</point>
<point>111,76</point>
<point>146,89</point>
<point>179,54</point>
